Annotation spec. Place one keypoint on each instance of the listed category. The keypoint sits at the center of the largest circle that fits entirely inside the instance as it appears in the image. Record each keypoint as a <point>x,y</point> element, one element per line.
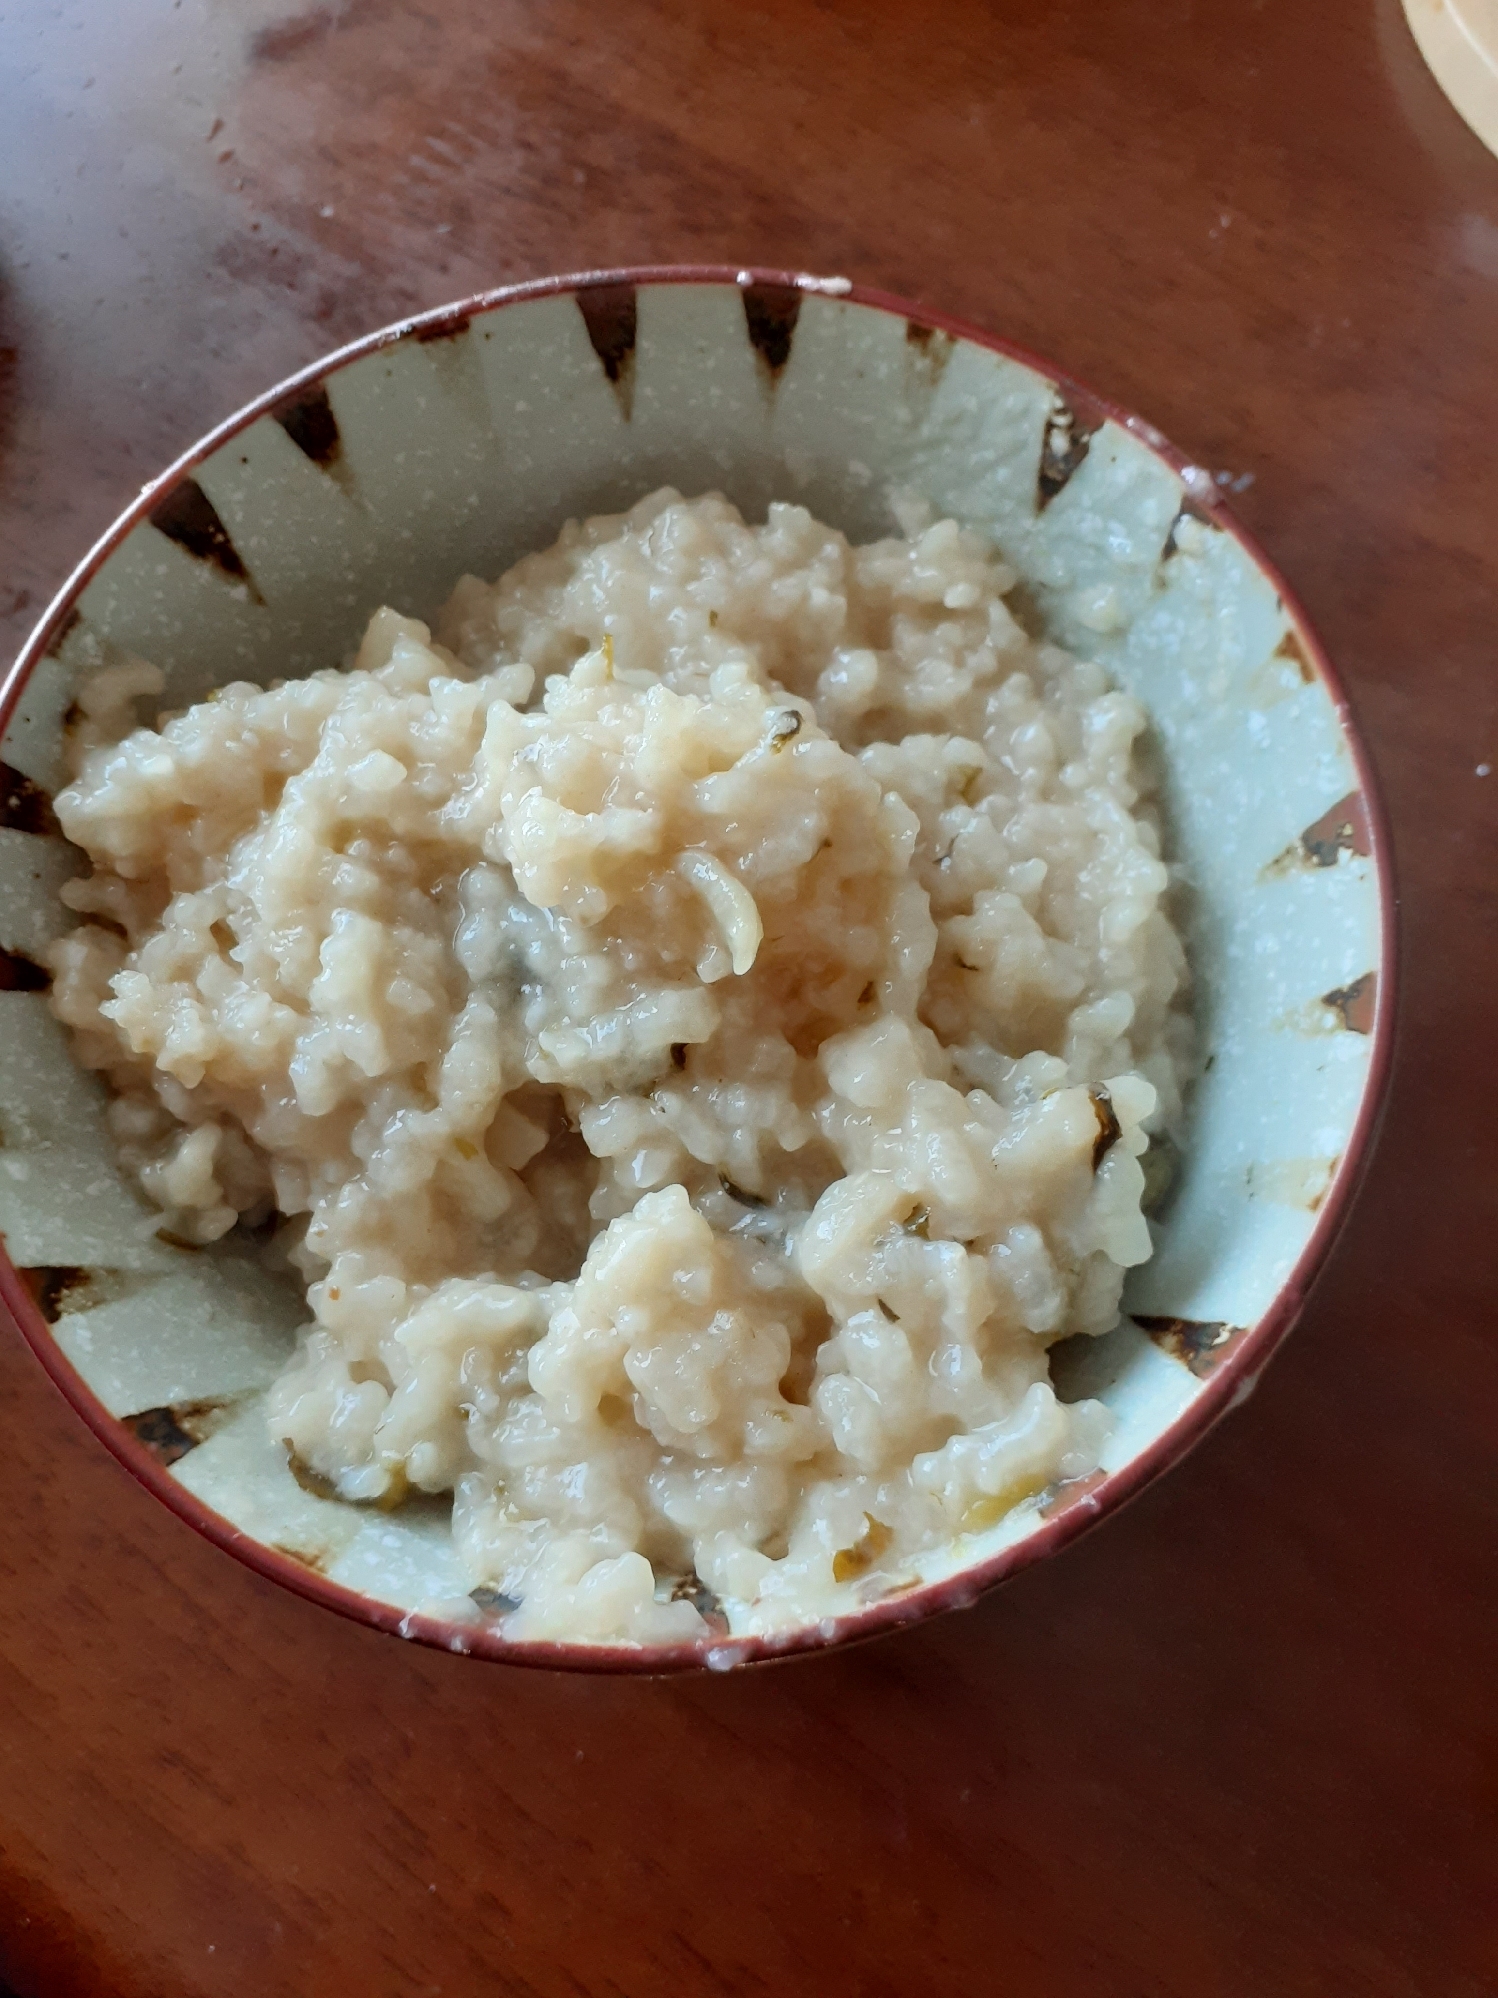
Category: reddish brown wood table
<point>1244,1740</point>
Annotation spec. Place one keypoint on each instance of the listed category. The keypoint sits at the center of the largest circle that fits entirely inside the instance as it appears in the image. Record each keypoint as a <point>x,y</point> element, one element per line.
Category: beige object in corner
<point>1459,39</point>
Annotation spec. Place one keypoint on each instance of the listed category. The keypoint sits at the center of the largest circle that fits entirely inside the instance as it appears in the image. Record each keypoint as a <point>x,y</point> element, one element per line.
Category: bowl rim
<point>1231,1381</point>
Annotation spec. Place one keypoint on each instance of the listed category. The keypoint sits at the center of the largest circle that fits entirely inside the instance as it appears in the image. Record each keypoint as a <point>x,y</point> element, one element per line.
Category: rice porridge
<point>693,1020</point>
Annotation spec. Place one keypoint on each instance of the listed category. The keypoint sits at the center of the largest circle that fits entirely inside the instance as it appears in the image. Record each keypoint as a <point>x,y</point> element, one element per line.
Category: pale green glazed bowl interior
<point>459,443</point>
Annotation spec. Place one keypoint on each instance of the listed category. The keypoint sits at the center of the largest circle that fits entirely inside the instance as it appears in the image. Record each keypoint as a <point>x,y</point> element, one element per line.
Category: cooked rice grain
<point>699,1015</point>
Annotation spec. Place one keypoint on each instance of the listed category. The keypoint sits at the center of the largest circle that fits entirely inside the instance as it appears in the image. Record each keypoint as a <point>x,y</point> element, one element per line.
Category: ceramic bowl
<point>460,440</point>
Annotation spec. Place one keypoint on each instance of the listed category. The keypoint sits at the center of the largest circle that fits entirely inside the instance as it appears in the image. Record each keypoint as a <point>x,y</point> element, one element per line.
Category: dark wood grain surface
<point>1241,1743</point>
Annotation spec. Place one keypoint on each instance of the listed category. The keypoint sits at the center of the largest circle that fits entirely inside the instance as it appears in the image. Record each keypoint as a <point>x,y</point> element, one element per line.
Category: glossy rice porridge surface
<point>693,1020</point>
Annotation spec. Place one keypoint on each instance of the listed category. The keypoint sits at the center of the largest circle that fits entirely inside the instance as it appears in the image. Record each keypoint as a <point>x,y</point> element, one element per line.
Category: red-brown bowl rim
<point>1230,1382</point>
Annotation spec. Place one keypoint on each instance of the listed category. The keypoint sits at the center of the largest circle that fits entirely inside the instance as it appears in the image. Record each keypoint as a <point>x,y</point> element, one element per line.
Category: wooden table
<point>1244,1741</point>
